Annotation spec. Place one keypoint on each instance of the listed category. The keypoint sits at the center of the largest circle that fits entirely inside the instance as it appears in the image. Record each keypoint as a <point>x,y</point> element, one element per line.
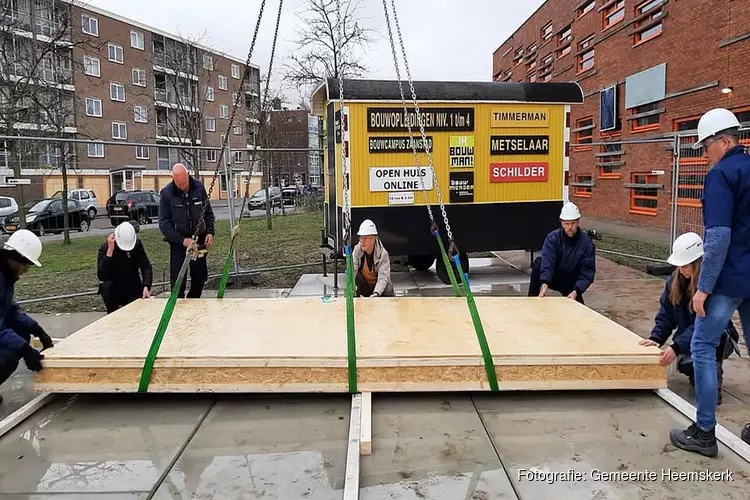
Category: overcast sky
<point>444,39</point>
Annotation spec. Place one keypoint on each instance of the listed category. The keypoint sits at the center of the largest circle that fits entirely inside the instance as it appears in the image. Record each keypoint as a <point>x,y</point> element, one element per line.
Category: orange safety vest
<point>368,274</point>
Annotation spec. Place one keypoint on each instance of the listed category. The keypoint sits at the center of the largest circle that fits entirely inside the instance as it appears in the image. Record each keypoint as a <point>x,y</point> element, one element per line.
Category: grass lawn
<point>632,247</point>
<point>294,239</point>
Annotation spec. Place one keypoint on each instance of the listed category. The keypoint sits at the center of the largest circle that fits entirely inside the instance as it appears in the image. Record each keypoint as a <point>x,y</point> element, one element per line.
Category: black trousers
<point>363,288</point>
<point>8,365</point>
<point>116,295</point>
<point>563,285</point>
<point>198,272</point>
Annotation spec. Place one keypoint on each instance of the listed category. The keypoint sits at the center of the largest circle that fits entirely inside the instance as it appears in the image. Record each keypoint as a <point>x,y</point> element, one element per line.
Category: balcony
<point>43,25</point>
<point>252,87</point>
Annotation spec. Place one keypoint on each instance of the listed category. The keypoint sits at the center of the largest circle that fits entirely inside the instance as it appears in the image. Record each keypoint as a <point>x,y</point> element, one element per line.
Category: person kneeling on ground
<point>120,259</point>
<point>676,311</point>
<point>372,265</point>
<point>568,261</point>
<point>22,250</point>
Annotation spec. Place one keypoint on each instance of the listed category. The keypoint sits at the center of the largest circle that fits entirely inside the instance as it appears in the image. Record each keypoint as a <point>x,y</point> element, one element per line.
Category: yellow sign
<point>520,117</point>
<point>462,151</point>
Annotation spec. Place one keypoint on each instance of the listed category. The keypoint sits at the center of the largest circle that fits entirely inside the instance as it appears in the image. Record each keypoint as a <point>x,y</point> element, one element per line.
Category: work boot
<point>695,440</point>
<point>746,433</point>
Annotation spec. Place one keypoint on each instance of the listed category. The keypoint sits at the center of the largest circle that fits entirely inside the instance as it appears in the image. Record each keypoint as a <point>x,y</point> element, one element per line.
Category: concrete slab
<point>580,436</point>
<point>266,447</point>
<point>430,446</point>
<point>115,445</point>
<point>319,285</point>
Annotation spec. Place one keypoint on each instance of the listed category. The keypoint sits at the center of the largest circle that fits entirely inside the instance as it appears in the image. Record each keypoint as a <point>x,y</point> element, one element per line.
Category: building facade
<point>648,69</point>
<point>294,129</point>
<point>118,81</point>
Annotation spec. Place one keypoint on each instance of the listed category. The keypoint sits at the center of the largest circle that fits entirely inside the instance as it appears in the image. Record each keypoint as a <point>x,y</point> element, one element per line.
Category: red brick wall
<point>689,45</point>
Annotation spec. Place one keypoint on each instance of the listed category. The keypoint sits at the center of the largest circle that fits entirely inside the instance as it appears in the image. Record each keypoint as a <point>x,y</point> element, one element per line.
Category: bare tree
<point>326,46</point>
<point>36,67</point>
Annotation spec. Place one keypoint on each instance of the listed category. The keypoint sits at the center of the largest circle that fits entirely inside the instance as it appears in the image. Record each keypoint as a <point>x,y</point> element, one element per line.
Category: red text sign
<point>519,172</point>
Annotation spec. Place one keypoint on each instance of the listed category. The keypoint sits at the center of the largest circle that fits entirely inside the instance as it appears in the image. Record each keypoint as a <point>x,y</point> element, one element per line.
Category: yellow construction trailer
<point>499,154</point>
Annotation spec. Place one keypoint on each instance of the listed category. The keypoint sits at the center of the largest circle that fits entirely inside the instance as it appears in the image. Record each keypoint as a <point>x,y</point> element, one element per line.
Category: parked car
<point>8,206</point>
<point>46,216</point>
<point>258,200</point>
<point>289,195</point>
<point>86,197</point>
<point>138,205</point>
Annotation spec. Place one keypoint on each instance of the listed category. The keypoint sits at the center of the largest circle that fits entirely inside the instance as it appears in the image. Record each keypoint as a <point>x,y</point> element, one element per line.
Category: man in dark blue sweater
<point>724,282</point>
<point>180,211</point>
<point>568,261</point>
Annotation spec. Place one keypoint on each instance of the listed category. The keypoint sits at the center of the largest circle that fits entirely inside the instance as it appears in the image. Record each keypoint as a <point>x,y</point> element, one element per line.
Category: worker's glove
<point>32,358</point>
<point>43,337</point>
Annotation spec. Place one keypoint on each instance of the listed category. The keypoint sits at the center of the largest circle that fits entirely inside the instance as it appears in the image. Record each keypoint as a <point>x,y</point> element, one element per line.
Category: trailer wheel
<point>443,274</point>
<point>420,262</point>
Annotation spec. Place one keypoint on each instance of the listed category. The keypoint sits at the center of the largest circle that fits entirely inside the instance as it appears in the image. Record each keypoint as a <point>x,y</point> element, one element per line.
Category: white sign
<point>406,198</point>
<point>657,172</point>
<point>16,182</point>
<point>400,178</point>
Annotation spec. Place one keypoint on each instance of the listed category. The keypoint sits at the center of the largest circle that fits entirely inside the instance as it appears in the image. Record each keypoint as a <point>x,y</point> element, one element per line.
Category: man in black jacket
<point>180,212</point>
<point>123,268</point>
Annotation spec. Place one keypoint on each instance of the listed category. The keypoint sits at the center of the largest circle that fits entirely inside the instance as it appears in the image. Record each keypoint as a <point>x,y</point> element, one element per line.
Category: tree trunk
<point>66,215</point>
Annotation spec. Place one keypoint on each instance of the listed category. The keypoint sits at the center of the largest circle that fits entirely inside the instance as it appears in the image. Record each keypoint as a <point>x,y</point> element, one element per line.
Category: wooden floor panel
<point>403,344</point>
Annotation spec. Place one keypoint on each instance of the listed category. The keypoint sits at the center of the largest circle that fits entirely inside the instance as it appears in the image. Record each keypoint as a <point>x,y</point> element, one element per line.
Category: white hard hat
<point>687,248</point>
<point>570,212</point>
<point>367,228</point>
<point>27,244</point>
<point>125,236</point>
<point>715,121</point>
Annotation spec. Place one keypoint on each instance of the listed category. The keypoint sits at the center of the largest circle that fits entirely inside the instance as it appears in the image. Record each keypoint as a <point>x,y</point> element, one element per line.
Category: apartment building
<point>648,69</point>
<point>127,82</point>
<point>297,129</point>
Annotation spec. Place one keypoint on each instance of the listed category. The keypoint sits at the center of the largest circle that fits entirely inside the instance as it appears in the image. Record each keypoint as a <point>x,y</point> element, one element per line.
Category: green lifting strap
<point>351,339</point>
<point>227,267</point>
<point>489,365</point>
<point>162,328</point>
<point>447,263</point>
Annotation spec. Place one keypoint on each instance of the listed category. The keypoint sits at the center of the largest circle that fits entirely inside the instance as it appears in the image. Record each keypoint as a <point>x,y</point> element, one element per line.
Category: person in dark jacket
<point>123,269</point>
<point>676,312</point>
<point>180,211</point>
<point>21,251</point>
<point>568,261</point>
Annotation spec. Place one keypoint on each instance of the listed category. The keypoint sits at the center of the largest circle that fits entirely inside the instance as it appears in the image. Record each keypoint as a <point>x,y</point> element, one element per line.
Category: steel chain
<point>346,212</point>
<point>421,125</point>
<point>240,94</point>
<point>406,112</point>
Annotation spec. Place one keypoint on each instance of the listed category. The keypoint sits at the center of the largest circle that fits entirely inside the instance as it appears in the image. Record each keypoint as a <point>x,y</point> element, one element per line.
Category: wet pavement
<point>530,445</point>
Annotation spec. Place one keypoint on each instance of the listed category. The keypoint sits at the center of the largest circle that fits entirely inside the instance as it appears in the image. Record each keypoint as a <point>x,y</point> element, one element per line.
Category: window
<point>586,8</point>
<point>609,161</point>
<point>235,71</point>
<point>547,77</point>
<point>90,25</point>
<point>583,191</point>
<point>96,150</point>
<point>117,92</point>
<point>613,14</point>
<point>119,130</point>
<point>235,98</point>
<point>92,66</point>
<point>211,124</point>
<point>140,114</point>
<point>547,60</point>
<point>139,77</point>
<point>137,40</point>
<point>519,55</point>
<point>93,107</point>
<point>211,155</point>
<point>690,184</point>
<point>238,156</point>
<point>585,59</point>
<point>563,52</point>
<point>115,53</point>
<point>532,48</point>
<point>141,152</point>
<point>237,130</point>
<point>547,32</point>
<point>648,122</point>
<point>210,94</point>
<point>564,36</point>
<point>208,63</point>
<point>224,112</point>
<point>532,78</point>
<point>223,84</point>
<point>643,200</point>
<point>649,21</point>
<point>584,132</point>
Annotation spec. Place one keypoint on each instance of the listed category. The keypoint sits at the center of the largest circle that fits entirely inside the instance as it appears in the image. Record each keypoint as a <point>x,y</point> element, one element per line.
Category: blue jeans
<point>706,336</point>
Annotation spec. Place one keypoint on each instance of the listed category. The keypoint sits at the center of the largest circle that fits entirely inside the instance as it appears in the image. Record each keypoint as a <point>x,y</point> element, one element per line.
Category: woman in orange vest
<point>372,265</point>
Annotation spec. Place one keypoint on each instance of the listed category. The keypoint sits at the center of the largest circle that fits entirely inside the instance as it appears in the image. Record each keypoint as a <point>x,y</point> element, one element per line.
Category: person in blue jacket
<point>22,250</point>
<point>724,281</point>
<point>180,208</point>
<point>676,311</point>
<point>568,261</point>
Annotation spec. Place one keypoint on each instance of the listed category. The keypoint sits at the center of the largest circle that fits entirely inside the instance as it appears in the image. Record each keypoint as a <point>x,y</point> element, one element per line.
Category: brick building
<point>126,82</point>
<point>294,128</point>
<point>648,69</point>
